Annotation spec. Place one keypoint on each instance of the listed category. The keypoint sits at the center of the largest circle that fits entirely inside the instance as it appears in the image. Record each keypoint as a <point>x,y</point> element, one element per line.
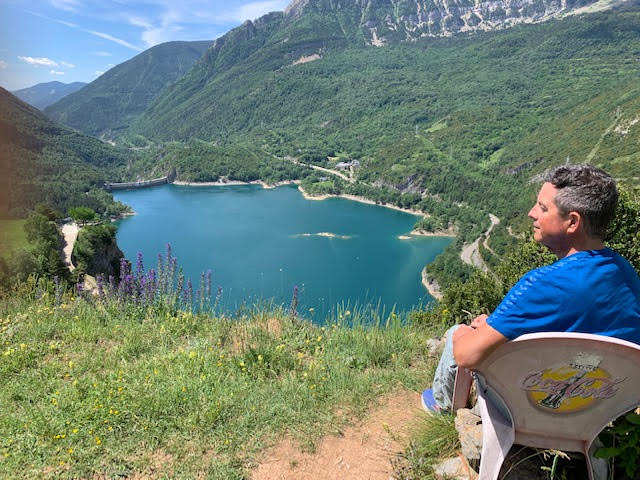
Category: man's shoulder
<point>589,269</point>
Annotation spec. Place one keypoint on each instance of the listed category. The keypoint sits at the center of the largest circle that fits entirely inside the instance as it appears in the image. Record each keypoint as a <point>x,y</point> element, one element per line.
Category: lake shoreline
<point>449,233</point>
<point>431,285</point>
<point>220,183</point>
<point>356,198</point>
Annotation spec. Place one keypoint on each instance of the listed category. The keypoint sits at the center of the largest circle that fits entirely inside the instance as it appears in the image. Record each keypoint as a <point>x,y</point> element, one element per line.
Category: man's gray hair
<point>587,190</point>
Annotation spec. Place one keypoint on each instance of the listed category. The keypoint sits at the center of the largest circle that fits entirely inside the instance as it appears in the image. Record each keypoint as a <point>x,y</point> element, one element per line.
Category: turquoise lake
<point>260,243</point>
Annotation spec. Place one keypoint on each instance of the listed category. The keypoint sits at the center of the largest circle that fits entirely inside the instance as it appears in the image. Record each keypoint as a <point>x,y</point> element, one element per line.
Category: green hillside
<point>504,104</point>
<point>108,103</point>
<point>41,161</point>
<point>456,127</point>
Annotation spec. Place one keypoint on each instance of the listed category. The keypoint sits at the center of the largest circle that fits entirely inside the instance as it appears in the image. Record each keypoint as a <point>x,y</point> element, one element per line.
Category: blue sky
<point>78,40</point>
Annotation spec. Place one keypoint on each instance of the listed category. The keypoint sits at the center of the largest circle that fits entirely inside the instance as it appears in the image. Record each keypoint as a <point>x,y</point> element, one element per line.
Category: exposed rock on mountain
<point>381,22</point>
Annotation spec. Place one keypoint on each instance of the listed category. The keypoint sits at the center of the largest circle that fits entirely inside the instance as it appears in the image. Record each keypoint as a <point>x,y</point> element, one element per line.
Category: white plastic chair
<point>560,391</point>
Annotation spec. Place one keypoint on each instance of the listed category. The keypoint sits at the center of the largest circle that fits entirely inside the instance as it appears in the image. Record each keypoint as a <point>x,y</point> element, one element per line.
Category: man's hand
<point>479,321</point>
<point>473,343</point>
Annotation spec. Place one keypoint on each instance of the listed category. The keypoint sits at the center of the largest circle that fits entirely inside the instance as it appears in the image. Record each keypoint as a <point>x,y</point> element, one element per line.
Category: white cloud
<point>97,73</point>
<point>119,41</point>
<point>66,5</point>
<point>39,61</point>
<point>253,10</point>
<point>106,36</point>
<point>138,22</point>
<point>3,64</point>
<point>68,24</point>
<point>55,72</point>
<point>189,18</point>
<point>102,54</point>
<point>67,64</point>
<point>155,36</point>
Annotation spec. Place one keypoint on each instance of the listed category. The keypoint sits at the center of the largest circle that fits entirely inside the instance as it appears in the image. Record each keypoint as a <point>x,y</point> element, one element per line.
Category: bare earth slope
<point>363,452</point>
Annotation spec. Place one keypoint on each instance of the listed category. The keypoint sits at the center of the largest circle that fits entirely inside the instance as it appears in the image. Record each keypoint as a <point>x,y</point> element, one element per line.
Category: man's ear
<point>575,222</point>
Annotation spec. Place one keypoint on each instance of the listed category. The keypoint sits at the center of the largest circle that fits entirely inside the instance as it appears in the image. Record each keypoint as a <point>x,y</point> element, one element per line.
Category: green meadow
<point>115,389</point>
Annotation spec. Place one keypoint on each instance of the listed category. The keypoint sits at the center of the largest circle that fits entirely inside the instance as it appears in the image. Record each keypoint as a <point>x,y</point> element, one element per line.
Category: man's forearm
<point>472,345</point>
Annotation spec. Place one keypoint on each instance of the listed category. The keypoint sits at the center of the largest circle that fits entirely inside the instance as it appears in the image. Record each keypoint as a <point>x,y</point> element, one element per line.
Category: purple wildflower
<point>57,289</point>
<point>180,280</point>
<point>208,285</point>
<point>123,268</point>
<point>150,285</point>
<point>294,302</point>
<point>189,291</point>
<point>160,273</point>
<point>173,266</point>
<point>112,285</point>
<point>99,283</point>
<point>139,266</point>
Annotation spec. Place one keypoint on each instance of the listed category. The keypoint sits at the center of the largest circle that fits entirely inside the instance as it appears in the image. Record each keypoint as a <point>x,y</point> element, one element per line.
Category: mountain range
<point>107,104</point>
<point>454,122</point>
<point>44,94</point>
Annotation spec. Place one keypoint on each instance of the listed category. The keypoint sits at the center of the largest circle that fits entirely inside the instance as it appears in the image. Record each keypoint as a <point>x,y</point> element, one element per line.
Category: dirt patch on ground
<point>363,452</point>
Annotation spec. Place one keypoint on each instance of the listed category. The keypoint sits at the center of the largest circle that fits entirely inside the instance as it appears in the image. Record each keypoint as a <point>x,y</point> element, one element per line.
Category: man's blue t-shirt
<point>593,291</point>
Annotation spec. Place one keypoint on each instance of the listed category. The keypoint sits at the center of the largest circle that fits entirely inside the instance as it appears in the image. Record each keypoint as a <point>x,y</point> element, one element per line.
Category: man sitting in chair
<point>590,289</point>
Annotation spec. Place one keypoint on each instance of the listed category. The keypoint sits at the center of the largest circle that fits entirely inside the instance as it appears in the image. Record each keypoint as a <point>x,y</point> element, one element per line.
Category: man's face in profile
<point>549,224</point>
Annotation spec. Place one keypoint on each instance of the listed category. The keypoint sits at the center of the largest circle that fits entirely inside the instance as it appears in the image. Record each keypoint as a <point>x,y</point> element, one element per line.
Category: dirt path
<point>470,254</point>
<point>70,233</point>
<point>363,452</point>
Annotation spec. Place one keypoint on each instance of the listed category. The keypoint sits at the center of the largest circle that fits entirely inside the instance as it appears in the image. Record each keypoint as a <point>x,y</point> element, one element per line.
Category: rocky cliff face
<point>387,21</point>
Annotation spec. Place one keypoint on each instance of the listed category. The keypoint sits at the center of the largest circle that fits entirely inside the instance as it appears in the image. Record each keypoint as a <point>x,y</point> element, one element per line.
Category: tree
<point>82,215</point>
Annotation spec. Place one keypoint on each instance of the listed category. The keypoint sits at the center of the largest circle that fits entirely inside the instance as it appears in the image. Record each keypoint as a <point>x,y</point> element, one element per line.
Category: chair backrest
<point>562,389</point>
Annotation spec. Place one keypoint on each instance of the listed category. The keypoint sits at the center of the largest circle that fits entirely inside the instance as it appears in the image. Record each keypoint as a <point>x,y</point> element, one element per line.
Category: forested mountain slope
<point>41,161</point>
<point>108,103</point>
<point>455,126</point>
<point>44,94</point>
<point>507,103</point>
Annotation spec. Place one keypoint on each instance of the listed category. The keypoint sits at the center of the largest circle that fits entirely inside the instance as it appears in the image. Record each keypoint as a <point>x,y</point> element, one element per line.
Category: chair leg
<point>497,438</point>
<point>587,460</point>
<point>461,389</point>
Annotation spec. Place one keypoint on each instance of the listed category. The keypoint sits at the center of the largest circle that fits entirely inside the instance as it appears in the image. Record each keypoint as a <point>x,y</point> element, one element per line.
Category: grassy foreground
<point>93,389</point>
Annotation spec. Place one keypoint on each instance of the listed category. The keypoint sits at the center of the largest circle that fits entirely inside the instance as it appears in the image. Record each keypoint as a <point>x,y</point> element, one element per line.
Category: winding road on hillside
<point>470,254</point>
